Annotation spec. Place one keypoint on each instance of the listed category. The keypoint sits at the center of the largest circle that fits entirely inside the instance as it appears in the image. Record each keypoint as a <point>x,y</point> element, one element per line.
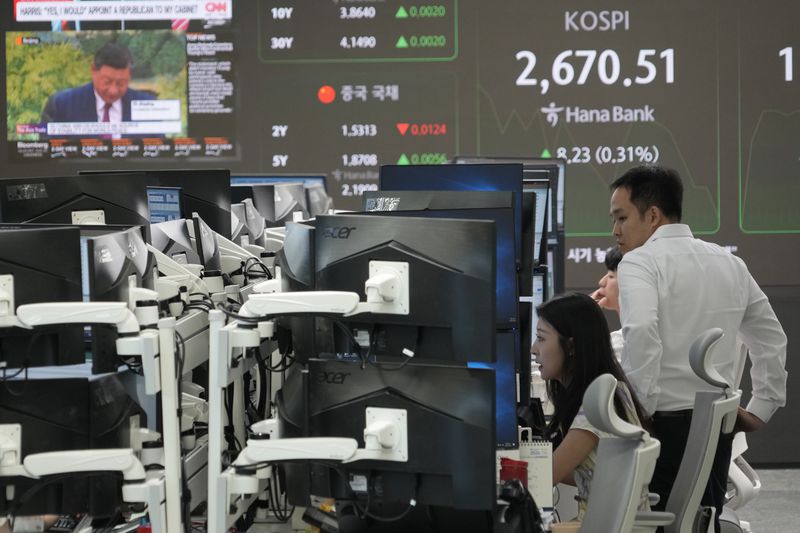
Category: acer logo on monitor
<point>342,232</point>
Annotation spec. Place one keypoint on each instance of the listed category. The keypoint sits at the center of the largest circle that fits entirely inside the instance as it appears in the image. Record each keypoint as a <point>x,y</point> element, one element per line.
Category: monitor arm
<point>36,465</point>
<point>385,438</point>
<point>45,314</point>
<point>387,291</point>
<point>178,272</point>
<point>122,460</point>
<point>131,340</point>
<point>286,303</point>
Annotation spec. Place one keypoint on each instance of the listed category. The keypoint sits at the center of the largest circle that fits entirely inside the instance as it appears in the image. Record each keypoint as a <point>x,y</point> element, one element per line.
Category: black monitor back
<point>69,414</point>
<point>46,265</point>
<point>172,239</point>
<point>52,200</point>
<point>290,198</point>
<point>478,177</point>
<point>262,196</point>
<point>115,259</point>
<point>206,246</point>
<point>451,440</point>
<point>319,202</point>
<point>497,206</point>
<point>205,192</point>
<point>451,277</point>
<point>296,261</point>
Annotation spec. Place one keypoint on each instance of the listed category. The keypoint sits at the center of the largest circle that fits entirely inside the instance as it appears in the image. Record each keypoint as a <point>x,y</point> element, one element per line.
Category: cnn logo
<point>216,7</point>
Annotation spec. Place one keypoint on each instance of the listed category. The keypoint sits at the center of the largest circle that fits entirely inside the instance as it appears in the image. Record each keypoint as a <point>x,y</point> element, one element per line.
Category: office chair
<point>713,412</point>
<point>743,481</point>
<point>625,464</point>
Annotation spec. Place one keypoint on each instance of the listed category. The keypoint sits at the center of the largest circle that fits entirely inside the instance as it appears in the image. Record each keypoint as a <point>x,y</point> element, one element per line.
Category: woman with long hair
<point>573,347</point>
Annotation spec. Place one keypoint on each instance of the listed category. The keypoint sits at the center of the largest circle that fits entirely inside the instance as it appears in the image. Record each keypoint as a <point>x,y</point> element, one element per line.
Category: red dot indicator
<point>326,94</point>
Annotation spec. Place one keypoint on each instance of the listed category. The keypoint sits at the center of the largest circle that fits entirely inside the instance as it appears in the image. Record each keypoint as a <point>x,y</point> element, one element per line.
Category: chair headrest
<point>598,403</point>
<point>700,358</point>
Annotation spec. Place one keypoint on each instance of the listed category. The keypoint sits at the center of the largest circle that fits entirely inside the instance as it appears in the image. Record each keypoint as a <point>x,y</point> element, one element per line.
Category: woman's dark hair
<point>585,339</point>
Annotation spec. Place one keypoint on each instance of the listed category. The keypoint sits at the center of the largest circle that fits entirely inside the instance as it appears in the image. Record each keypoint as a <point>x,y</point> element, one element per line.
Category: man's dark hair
<point>613,257</point>
<point>654,186</point>
<point>113,55</point>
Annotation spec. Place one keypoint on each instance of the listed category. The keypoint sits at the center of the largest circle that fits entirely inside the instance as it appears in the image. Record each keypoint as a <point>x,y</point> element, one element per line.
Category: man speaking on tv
<point>106,99</point>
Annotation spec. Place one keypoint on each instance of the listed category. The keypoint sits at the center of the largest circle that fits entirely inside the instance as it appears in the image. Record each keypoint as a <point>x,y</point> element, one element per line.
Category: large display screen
<point>340,87</point>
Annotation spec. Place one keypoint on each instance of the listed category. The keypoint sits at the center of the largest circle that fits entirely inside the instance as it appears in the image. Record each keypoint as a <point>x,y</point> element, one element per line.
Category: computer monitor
<point>255,225</point>
<point>165,203</point>
<point>536,217</point>
<point>206,246</point>
<point>70,413</point>
<point>172,238</point>
<point>276,202</point>
<point>39,264</point>
<point>238,222</point>
<point>262,197</point>
<point>505,373</point>
<point>310,334</point>
<point>497,206</point>
<point>451,432</point>
<point>113,262</point>
<point>534,169</point>
<point>452,274</point>
<point>100,198</point>
<point>489,177</point>
<point>296,258</point>
<point>290,198</point>
<point>308,180</point>
<point>205,192</point>
<point>318,200</point>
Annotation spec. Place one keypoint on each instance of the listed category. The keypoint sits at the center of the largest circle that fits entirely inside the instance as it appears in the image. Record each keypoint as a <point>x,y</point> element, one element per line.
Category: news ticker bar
<point>99,10</point>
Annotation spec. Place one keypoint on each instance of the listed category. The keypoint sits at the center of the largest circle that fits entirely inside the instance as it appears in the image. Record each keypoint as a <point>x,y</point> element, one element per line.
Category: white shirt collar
<point>114,113</point>
<point>671,230</point>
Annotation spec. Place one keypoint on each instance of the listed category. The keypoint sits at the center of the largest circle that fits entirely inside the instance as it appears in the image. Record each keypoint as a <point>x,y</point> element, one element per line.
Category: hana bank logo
<point>551,113</point>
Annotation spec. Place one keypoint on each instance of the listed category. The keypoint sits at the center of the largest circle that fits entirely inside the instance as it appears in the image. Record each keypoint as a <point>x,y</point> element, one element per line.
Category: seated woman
<point>572,347</point>
<point>607,295</point>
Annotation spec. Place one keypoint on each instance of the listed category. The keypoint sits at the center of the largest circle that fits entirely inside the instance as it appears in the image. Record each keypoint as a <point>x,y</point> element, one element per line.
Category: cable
<point>255,262</point>
<point>240,318</point>
<point>7,379</point>
<point>230,435</point>
<point>279,509</point>
<point>393,367</point>
<point>285,362</point>
<point>353,342</point>
<point>186,496</point>
<point>200,305</point>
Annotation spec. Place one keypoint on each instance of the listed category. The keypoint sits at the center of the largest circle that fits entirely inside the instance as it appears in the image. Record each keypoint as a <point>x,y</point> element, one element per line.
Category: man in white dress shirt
<point>672,287</point>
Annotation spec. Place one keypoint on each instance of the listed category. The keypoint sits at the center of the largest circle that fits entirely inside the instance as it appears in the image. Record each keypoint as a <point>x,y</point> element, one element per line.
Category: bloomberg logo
<point>342,232</point>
